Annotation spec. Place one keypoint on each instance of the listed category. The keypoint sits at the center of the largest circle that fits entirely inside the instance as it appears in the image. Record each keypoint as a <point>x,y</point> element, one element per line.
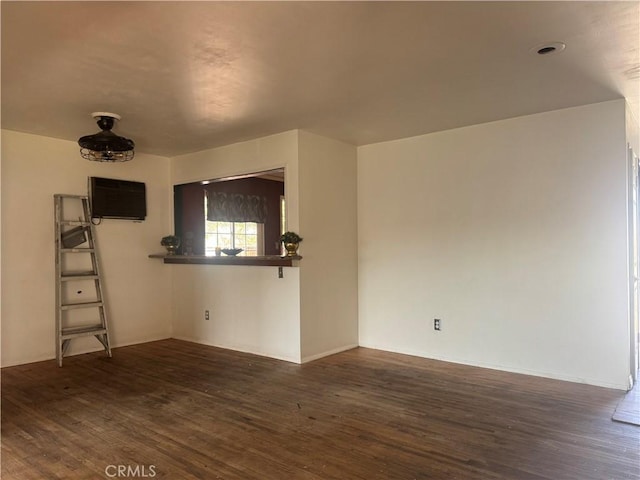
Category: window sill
<point>265,261</point>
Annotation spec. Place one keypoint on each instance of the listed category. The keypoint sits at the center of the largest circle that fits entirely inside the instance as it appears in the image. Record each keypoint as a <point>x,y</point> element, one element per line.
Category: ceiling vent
<point>549,48</point>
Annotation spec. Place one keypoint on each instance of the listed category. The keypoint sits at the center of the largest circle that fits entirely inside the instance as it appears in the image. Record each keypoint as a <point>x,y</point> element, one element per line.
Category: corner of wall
<point>520,246</point>
<point>632,124</point>
<point>235,323</point>
<point>328,270</point>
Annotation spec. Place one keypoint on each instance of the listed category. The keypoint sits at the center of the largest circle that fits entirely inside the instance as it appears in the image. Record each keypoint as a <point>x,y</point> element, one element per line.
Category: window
<point>248,236</point>
<point>244,213</point>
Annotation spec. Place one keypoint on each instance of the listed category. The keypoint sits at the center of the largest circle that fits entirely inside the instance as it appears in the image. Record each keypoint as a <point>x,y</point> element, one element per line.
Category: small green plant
<point>170,240</point>
<point>290,237</point>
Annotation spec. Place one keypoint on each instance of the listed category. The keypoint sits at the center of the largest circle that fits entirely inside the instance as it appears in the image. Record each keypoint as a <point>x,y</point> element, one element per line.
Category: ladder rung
<point>77,250</point>
<point>75,223</point>
<point>73,306</point>
<point>65,195</point>
<point>82,331</point>
<point>69,276</point>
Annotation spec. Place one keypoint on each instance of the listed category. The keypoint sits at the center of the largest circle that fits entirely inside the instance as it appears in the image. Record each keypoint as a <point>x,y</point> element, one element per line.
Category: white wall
<point>329,268</point>
<point>137,289</point>
<point>251,309</point>
<point>632,129</point>
<point>310,313</point>
<point>514,233</point>
<point>633,140</point>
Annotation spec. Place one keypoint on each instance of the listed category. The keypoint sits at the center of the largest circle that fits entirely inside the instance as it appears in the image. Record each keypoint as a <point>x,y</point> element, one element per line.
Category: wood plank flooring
<point>177,410</point>
<point>628,409</point>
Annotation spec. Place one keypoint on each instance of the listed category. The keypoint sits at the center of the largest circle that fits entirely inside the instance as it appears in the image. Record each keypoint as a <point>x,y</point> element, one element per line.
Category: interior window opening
<point>244,212</point>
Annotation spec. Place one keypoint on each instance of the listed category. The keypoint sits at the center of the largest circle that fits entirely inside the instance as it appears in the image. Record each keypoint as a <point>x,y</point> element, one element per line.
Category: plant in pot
<point>171,243</point>
<point>291,241</point>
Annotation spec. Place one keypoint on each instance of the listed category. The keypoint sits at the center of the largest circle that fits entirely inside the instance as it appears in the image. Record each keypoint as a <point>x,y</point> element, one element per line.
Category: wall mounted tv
<point>112,198</point>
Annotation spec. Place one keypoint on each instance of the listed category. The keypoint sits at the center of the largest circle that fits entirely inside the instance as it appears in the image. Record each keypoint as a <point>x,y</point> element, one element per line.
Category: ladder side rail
<point>58,267</point>
<point>95,262</point>
<point>90,239</point>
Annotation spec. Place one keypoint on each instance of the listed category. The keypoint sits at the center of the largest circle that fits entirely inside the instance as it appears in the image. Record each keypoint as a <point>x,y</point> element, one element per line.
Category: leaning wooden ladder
<point>69,234</point>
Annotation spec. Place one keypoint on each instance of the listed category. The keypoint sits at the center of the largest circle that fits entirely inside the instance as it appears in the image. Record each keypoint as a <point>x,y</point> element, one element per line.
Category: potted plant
<point>291,241</point>
<point>171,243</point>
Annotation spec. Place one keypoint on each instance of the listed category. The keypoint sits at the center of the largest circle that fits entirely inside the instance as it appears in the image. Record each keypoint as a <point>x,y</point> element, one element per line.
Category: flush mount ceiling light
<point>549,48</point>
<point>106,146</point>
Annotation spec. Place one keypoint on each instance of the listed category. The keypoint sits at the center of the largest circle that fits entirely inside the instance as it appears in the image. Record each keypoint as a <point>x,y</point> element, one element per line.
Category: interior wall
<point>633,141</point>
<point>329,268</point>
<point>137,289</point>
<point>251,309</point>
<point>632,125</point>
<point>513,233</point>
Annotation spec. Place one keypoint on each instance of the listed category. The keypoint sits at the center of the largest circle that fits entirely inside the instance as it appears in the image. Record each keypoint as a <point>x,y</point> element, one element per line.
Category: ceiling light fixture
<point>106,146</point>
<point>549,48</point>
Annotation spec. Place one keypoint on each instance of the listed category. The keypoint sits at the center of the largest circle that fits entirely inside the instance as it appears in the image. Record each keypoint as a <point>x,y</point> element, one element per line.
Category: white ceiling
<point>187,76</point>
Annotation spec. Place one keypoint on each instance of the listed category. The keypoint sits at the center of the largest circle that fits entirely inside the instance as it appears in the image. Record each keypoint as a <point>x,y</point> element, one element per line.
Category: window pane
<point>210,244</point>
<point>252,242</point>
<point>244,235</point>
<point>210,240</point>
<point>240,242</point>
<point>224,227</point>
<point>225,240</point>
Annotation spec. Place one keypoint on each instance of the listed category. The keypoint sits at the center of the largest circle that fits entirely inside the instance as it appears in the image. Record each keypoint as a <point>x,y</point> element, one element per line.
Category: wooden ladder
<point>69,236</point>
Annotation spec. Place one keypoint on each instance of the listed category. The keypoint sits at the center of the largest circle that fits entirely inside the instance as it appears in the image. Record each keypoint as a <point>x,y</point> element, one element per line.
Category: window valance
<point>235,207</point>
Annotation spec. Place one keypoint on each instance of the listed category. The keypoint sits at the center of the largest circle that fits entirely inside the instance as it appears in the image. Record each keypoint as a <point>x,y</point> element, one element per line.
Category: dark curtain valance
<point>235,207</point>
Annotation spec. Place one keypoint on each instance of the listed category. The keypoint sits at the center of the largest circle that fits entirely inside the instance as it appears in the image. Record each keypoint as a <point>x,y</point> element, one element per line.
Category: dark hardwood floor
<point>177,410</point>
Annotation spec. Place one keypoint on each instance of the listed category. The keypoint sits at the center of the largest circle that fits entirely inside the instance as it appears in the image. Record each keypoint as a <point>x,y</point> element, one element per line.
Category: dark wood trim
<point>263,261</point>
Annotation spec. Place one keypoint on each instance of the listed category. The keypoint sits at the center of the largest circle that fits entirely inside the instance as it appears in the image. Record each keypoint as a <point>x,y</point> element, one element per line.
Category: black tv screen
<point>112,198</point>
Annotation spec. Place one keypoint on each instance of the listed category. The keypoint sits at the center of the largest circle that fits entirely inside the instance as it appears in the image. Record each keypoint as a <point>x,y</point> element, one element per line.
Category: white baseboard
<point>238,349</point>
<point>344,348</point>
<point>98,348</point>
<point>522,371</point>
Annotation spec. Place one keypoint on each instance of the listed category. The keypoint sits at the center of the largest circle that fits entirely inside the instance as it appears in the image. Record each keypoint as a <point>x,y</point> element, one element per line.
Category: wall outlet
<point>206,314</point>
<point>436,323</point>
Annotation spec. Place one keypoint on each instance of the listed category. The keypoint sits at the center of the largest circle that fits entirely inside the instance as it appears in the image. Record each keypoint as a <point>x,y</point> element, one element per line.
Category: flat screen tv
<point>112,198</point>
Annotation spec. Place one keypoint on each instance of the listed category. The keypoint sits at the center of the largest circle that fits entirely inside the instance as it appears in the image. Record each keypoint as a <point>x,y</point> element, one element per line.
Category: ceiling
<point>187,76</point>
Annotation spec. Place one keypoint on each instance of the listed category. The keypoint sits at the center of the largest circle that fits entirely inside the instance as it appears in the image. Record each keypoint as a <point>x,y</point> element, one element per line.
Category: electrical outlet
<point>436,324</point>
<point>206,314</point>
